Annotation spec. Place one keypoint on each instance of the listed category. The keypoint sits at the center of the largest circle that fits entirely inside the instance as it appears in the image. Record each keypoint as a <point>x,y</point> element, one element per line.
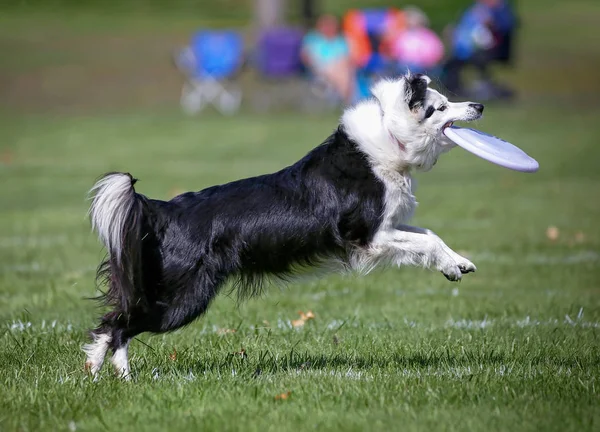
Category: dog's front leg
<point>421,247</point>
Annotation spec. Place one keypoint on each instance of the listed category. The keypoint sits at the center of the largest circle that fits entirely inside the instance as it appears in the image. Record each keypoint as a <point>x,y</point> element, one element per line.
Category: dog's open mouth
<point>447,124</point>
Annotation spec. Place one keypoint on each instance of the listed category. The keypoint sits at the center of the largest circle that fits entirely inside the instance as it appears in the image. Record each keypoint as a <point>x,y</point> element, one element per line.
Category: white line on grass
<point>21,326</point>
<point>32,241</point>
<point>286,325</point>
<point>36,267</point>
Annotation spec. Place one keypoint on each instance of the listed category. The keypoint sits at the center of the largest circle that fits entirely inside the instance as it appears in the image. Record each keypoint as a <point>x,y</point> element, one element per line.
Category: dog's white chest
<point>400,202</point>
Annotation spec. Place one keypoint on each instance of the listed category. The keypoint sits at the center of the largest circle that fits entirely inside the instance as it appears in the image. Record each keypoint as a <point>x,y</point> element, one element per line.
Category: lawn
<point>514,346</point>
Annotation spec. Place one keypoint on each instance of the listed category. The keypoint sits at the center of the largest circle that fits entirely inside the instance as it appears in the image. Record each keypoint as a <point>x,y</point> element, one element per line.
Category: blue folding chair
<point>210,63</point>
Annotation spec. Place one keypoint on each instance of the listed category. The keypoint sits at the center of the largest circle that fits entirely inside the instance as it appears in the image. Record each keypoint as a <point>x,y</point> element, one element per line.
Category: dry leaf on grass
<point>241,353</point>
<point>552,233</point>
<point>298,323</point>
<point>303,318</point>
<point>306,316</point>
<point>173,355</point>
<point>283,396</point>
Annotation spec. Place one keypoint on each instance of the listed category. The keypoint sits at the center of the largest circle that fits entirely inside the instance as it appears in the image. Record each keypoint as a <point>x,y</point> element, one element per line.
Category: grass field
<point>515,346</point>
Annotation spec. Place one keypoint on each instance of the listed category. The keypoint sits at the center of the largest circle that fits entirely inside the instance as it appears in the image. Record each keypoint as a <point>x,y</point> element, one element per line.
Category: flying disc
<point>492,149</point>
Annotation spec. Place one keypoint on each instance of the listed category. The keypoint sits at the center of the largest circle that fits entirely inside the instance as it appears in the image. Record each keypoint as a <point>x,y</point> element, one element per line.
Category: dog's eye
<point>442,108</point>
<point>429,112</point>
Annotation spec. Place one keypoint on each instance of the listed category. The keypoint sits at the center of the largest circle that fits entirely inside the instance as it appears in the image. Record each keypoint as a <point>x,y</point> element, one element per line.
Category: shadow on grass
<point>442,363</point>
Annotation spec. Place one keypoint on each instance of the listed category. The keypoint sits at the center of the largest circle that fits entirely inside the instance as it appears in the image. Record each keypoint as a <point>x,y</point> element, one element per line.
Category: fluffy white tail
<point>116,214</point>
<point>113,197</point>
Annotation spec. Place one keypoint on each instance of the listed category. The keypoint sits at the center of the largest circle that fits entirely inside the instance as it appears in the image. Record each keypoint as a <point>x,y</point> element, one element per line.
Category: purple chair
<point>278,53</point>
<point>277,59</point>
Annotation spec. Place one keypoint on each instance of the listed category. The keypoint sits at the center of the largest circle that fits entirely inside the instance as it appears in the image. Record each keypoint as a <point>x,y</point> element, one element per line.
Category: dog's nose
<point>478,107</point>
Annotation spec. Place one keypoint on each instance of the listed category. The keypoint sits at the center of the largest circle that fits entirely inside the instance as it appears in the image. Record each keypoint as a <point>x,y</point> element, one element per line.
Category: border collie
<point>345,204</point>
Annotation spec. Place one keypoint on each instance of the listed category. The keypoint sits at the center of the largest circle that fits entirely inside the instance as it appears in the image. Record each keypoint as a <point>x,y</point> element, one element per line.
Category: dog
<point>343,206</point>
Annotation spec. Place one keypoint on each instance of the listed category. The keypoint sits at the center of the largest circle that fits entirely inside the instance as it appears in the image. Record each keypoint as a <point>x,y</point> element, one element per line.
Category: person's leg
<point>340,74</point>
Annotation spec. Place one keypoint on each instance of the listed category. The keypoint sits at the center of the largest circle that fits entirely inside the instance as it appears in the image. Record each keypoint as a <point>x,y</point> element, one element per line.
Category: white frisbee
<point>492,149</point>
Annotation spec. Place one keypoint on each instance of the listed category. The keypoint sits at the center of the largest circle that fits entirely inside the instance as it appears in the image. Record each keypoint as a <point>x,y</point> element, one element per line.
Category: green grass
<point>515,346</point>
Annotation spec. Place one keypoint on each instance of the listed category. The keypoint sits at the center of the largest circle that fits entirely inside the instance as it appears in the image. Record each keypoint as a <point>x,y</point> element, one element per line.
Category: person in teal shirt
<point>327,54</point>
<point>323,51</point>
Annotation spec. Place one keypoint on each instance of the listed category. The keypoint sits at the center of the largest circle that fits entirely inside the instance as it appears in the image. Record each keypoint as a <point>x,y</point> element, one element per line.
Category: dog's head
<point>403,126</point>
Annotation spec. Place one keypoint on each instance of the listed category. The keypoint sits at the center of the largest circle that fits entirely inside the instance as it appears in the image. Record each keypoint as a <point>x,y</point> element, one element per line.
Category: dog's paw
<point>466,266</point>
<point>452,273</point>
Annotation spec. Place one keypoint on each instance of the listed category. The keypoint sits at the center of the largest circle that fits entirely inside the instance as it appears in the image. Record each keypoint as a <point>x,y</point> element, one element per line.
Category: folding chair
<point>278,53</point>
<point>210,63</point>
<point>278,62</point>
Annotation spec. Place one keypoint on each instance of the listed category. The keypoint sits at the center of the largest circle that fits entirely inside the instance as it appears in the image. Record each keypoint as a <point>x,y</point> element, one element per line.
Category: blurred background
<point>185,94</point>
<point>189,93</point>
<point>67,56</point>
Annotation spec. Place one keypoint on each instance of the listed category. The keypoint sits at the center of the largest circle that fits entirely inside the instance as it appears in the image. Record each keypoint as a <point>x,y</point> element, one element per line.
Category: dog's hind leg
<point>123,329</point>
<point>117,329</point>
<point>120,347</point>
<point>101,342</point>
<point>113,333</point>
<point>191,300</point>
<point>96,351</point>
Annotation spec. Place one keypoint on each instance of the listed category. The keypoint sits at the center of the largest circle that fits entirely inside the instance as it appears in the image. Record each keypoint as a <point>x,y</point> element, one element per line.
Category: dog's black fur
<point>177,255</point>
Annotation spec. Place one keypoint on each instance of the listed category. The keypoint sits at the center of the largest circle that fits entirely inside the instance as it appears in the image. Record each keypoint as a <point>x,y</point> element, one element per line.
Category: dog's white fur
<point>398,141</point>
<point>107,210</point>
<point>120,362</point>
<point>95,353</point>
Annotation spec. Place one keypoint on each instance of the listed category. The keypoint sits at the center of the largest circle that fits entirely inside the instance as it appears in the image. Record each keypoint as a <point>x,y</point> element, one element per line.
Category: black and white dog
<point>344,204</point>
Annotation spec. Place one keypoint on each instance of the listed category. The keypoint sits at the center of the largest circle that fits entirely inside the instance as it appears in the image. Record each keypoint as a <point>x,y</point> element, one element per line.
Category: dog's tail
<point>117,214</point>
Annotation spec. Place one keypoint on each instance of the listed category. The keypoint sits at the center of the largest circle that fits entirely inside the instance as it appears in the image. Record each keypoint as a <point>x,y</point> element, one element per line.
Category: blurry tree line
<point>239,12</point>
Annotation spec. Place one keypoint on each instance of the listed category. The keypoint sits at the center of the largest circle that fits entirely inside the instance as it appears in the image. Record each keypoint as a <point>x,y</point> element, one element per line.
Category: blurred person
<point>394,27</point>
<point>368,33</point>
<point>353,27</point>
<point>505,24</point>
<point>415,46</point>
<point>326,53</point>
<point>480,37</point>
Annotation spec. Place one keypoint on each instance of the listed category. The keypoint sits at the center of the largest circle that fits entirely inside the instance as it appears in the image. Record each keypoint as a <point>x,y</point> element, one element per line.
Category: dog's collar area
<point>398,142</point>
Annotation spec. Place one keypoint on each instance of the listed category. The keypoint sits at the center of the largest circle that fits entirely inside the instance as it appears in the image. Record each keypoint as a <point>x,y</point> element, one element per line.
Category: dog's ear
<point>389,93</point>
<point>416,90</point>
